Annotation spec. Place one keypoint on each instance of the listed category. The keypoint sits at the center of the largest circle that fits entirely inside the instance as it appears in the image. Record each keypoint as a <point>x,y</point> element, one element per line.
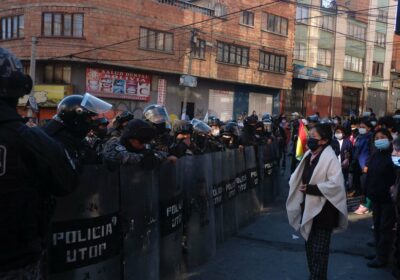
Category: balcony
<point>188,6</point>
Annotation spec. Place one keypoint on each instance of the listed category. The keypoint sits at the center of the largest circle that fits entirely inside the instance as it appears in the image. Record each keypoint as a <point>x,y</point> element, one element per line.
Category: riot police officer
<point>248,138</point>
<point>119,124</point>
<point>157,115</point>
<point>133,147</point>
<point>33,167</point>
<point>230,135</point>
<point>94,142</point>
<point>74,119</point>
<point>182,133</point>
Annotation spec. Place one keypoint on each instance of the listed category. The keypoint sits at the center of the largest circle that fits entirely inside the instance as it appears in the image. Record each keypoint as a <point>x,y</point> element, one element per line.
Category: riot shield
<point>253,179</point>
<point>85,232</point>
<point>260,169</point>
<point>218,194</point>
<point>140,223</point>
<point>171,223</point>
<point>199,231</point>
<point>268,184</point>
<point>230,193</point>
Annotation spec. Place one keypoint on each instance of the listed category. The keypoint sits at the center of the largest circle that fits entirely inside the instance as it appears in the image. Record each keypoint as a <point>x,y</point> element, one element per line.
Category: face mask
<point>394,135</point>
<point>312,144</point>
<point>362,130</point>
<point>339,136</point>
<point>335,121</point>
<point>367,114</point>
<point>396,160</point>
<point>373,123</point>
<point>283,121</point>
<point>382,144</point>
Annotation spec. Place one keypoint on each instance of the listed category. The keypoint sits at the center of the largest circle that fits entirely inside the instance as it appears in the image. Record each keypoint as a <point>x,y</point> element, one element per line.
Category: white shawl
<point>329,179</point>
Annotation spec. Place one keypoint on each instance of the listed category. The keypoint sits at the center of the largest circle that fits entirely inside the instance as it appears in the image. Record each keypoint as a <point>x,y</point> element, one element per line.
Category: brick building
<point>133,52</point>
<point>342,56</point>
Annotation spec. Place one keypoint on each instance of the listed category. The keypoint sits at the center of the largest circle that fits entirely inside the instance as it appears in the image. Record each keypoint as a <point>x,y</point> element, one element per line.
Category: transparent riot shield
<point>230,193</point>
<point>199,230</point>
<point>268,183</point>
<point>260,169</point>
<point>140,223</point>
<point>85,236</point>
<point>218,194</point>
<point>171,220</point>
<point>253,180</point>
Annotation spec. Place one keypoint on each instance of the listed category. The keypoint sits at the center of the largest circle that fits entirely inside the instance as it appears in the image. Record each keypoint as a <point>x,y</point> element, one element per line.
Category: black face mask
<point>312,144</point>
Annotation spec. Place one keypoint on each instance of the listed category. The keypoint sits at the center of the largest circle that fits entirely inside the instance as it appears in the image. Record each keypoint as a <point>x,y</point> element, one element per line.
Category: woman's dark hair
<point>385,132</point>
<point>367,122</point>
<point>325,131</point>
<point>341,128</point>
<point>396,143</point>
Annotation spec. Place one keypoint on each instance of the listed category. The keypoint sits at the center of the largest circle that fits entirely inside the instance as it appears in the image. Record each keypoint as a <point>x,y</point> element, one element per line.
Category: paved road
<point>267,250</point>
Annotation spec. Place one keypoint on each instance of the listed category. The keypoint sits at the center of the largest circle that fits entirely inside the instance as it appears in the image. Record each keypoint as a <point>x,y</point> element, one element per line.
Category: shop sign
<point>118,84</point>
<point>46,95</point>
<point>188,81</point>
<point>309,73</point>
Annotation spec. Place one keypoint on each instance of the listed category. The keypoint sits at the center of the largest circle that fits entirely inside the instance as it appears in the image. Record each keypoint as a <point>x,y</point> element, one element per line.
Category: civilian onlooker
<point>395,194</point>
<point>380,178</point>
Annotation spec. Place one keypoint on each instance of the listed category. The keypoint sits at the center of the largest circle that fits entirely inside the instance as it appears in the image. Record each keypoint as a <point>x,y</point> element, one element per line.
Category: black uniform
<point>32,168</point>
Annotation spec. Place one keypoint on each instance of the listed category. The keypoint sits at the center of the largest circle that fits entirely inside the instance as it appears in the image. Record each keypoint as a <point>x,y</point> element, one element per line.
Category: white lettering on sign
<point>78,236</point>
<point>81,254</point>
<point>174,209</point>
<point>254,176</point>
<point>3,161</point>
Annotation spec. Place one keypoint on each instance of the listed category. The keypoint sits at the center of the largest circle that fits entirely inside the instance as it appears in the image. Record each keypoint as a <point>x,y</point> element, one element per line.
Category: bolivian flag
<point>301,141</point>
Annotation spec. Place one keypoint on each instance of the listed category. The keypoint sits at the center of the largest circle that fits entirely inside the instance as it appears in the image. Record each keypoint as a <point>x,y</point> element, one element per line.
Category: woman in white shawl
<point>317,204</point>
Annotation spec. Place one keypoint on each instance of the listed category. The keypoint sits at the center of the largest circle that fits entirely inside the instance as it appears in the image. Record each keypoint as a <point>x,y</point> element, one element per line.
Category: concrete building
<point>133,53</point>
<point>342,57</point>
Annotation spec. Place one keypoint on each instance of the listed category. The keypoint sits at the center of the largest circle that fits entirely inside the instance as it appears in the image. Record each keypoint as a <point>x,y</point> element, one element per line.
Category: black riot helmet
<point>139,130</point>
<point>158,116</point>
<point>250,120</point>
<point>231,129</point>
<point>182,127</point>
<point>75,112</point>
<point>200,127</point>
<point>125,116</point>
<point>13,82</point>
<point>214,121</point>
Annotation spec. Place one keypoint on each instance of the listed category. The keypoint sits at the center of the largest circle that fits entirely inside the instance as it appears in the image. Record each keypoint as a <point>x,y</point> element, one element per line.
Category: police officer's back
<point>33,167</point>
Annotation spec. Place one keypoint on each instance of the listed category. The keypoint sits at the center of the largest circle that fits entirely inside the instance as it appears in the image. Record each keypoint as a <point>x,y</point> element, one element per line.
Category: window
<point>199,49</point>
<point>380,39</point>
<point>353,63</point>
<point>247,18</point>
<point>12,27</point>
<point>302,14</point>
<point>156,40</point>
<point>57,74</point>
<point>272,62</point>
<point>382,16</point>
<point>328,4</point>
<point>276,24</point>
<point>327,22</point>
<point>377,69</point>
<point>356,31</point>
<point>324,57</point>
<point>62,25</point>
<point>232,54</point>
<point>300,51</point>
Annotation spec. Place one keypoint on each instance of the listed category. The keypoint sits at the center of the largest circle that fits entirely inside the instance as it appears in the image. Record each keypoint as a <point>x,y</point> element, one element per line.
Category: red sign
<point>117,84</point>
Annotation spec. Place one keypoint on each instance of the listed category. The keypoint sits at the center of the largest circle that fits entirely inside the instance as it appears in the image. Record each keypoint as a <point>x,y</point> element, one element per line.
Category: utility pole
<point>189,71</point>
<point>32,73</point>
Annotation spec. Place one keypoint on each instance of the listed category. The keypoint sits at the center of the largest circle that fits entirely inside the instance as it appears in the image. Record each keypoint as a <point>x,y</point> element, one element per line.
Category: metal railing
<point>188,6</point>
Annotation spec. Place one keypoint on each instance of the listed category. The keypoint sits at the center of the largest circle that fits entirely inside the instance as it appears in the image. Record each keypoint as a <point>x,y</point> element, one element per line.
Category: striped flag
<point>301,141</point>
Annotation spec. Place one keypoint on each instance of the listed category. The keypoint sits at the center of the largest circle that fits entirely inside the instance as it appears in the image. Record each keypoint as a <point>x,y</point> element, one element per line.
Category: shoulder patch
<point>3,156</point>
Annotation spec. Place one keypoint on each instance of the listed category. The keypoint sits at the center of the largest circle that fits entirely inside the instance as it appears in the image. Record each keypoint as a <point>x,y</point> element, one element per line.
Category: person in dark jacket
<point>380,178</point>
<point>33,167</point>
<point>343,149</point>
<point>395,194</point>
<point>248,135</point>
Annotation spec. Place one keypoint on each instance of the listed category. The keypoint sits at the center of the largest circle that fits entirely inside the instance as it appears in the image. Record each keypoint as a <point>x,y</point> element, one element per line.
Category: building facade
<point>342,56</point>
<point>134,52</point>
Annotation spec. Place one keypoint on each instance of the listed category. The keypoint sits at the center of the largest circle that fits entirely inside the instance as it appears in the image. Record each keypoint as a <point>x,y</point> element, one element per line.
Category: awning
<point>309,73</point>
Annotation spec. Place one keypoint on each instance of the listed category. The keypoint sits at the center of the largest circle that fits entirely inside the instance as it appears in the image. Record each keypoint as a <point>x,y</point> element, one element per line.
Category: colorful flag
<point>301,141</point>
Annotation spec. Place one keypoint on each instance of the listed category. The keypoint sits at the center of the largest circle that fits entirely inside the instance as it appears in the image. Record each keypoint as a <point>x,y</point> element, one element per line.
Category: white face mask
<point>215,132</point>
<point>339,136</point>
<point>373,123</point>
<point>335,121</point>
<point>362,130</point>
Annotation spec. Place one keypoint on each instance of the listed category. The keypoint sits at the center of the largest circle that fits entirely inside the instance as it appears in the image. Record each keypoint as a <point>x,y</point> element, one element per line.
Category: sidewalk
<point>269,249</point>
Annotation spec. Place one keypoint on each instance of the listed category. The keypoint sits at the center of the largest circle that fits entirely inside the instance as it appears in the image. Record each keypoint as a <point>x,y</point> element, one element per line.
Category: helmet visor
<point>156,114</point>
<point>94,104</point>
<point>200,126</point>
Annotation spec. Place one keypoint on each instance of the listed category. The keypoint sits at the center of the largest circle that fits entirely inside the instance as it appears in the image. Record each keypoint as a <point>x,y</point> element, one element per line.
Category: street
<point>269,249</point>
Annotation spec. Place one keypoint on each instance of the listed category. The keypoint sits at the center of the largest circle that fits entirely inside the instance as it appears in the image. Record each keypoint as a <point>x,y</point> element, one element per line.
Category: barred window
<point>382,15</point>
<point>353,63</point>
<point>377,69</point>
<point>232,54</point>
<point>324,57</point>
<point>199,49</point>
<point>327,22</point>
<point>62,25</point>
<point>275,24</point>
<point>300,51</point>
<point>156,40</point>
<point>272,62</point>
<point>356,31</point>
<point>12,27</point>
<point>57,74</point>
<point>380,39</point>
<point>302,14</point>
<point>247,18</point>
